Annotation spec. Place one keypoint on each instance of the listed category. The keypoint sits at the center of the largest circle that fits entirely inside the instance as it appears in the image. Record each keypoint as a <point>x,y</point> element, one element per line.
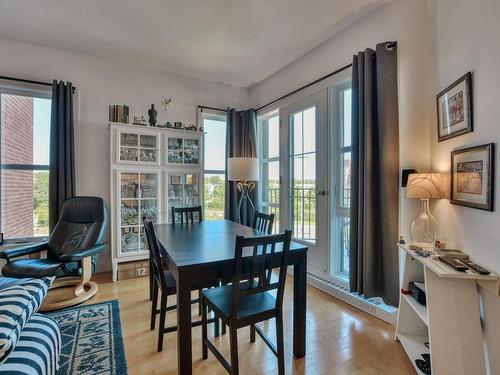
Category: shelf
<point>414,347</point>
<point>419,309</point>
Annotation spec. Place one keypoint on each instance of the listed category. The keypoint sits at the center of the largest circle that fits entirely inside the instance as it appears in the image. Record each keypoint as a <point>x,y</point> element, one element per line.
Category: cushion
<point>18,302</point>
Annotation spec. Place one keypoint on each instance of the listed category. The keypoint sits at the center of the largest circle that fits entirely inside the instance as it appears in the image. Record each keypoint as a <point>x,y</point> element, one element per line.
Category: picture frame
<point>454,109</point>
<point>472,177</point>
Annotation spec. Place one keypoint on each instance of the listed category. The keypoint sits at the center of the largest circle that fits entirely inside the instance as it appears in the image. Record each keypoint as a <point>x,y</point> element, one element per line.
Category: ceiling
<point>237,42</point>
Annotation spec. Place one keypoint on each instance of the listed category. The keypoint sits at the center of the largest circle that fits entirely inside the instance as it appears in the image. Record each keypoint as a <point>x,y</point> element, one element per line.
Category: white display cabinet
<point>152,170</point>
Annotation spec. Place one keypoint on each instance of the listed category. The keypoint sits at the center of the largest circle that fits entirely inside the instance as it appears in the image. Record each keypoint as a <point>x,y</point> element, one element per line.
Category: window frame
<point>34,91</point>
<point>264,204</point>
<point>339,212</point>
<point>216,115</point>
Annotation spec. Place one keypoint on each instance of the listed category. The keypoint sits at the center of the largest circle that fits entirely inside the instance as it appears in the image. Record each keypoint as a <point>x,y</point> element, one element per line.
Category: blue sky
<point>41,130</point>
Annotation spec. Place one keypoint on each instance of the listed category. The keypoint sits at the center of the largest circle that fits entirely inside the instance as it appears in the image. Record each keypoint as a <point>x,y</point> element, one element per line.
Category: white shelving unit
<point>449,326</point>
<point>152,170</point>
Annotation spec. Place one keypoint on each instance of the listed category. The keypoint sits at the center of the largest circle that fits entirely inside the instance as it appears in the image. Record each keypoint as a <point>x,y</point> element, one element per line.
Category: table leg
<point>299,307</point>
<point>184,350</point>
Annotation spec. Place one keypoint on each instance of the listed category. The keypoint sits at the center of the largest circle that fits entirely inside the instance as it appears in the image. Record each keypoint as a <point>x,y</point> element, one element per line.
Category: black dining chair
<point>186,214</point>
<point>164,281</point>
<point>263,222</point>
<point>248,300</point>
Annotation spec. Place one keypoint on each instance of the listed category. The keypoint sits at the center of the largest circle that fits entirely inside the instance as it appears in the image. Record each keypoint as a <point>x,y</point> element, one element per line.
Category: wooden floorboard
<point>340,338</point>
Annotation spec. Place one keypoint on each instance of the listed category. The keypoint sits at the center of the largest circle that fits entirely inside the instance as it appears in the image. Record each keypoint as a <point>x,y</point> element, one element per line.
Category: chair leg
<point>280,345</point>
<point>154,305</point>
<point>233,343</point>
<point>163,315</point>
<point>204,335</point>
<point>252,333</point>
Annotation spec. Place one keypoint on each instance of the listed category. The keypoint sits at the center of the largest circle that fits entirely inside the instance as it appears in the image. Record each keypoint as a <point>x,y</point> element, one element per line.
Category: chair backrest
<point>154,253</point>
<point>83,223</point>
<point>186,214</point>
<point>263,222</point>
<point>256,268</point>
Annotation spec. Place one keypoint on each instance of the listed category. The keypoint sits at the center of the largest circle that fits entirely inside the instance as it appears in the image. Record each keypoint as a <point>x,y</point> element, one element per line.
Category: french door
<point>305,171</point>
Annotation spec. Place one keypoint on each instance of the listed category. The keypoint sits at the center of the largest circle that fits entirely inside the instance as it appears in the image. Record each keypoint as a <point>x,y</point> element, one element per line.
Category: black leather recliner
<point>79,235</point>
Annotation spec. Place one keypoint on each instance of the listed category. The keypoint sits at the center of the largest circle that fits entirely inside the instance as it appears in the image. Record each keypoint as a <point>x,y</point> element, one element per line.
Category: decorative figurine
<point>152,115</point>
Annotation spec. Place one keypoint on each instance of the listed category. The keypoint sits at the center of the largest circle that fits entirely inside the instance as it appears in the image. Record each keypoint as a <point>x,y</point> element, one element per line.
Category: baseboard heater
<point>372,306</point>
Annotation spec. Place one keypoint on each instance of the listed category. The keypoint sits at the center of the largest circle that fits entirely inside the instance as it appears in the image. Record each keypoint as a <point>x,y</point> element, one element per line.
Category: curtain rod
<point>212,108</point>
<point>30,81</point>
<point>306,86</point>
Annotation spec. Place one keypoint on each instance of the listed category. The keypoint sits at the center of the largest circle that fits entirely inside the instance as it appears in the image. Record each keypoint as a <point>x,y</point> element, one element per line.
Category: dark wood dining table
<point>203,252</point>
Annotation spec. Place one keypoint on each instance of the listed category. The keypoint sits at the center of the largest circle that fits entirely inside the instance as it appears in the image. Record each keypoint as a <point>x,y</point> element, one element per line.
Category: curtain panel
<point>375,174</point>
<point>241,141</point>
<point>62,152</point>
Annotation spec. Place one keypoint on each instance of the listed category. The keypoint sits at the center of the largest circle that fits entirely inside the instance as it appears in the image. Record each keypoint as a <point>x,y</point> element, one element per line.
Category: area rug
<point>92,340</point>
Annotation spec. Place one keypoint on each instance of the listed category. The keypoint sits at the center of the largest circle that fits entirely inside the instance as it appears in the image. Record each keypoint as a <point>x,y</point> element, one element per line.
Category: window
<point>269,144</point>
<point>214,125</point>
<point>24,162</point>
<point>341,221</point>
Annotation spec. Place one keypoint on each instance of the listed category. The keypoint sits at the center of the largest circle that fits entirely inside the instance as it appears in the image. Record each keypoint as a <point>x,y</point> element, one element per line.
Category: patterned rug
<point>92,340</point>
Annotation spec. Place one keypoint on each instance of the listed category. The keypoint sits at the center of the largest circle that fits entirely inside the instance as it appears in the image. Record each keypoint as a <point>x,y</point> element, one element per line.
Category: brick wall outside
<point>17,148</point>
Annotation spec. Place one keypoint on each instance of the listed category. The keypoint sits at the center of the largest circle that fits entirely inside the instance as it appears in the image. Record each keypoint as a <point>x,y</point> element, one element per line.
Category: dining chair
<point>263,222</point>
<point>186,214</point>
<point>249,299</point>
<point>164,281</point>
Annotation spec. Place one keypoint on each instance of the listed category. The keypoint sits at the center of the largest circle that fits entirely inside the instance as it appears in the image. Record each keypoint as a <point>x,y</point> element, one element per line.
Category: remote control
<point>455,263</point>
<point>476,267</point>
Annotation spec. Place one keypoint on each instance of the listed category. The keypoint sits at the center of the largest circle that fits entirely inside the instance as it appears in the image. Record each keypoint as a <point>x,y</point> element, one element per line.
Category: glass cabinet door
<point>138,197</point>
<point>183,190</point>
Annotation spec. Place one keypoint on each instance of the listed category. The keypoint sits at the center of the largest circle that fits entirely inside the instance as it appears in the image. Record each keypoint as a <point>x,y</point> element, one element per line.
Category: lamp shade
<point>425,186</point>
<point>243,169</point>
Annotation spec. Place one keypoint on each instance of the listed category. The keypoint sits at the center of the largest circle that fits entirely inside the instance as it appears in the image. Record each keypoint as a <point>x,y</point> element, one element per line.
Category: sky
<point>41,131</point>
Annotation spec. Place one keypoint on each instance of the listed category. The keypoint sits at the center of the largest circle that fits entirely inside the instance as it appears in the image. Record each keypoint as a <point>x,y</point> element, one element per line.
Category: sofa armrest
<point>23,250</point>
<point>83,253</point>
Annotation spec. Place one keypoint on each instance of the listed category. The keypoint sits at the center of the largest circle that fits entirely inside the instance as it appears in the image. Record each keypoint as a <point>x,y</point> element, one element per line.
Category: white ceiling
<point>238,42</point>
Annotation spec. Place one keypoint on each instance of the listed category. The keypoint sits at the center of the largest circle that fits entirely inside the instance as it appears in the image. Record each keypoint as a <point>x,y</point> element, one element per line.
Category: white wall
<point>467,38</point>
<point>401,21</point>
<point>102,82</point>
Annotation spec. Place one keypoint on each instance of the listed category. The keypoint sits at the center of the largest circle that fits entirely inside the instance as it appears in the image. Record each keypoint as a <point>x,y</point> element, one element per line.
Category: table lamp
<point>245,171</point>
<point>424,186</point>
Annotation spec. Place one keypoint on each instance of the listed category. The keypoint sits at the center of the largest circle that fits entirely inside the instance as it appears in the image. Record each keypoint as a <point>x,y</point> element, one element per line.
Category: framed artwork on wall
<point>472,177</point>
<point>454,108</point>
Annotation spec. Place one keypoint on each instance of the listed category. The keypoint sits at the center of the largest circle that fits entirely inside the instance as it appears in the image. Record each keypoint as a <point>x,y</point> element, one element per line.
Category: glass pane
<point>310,130</point>
<point>191,151</point>
<point>346,180</point>
<point>191,185</point>
<point>345,238</point>
<point>24,197</point>
<point>175,144</point>
<point>25,124</point>
<point>129,185</point>
<point>214,197</point>
<point>130,239</point>
<point>175,185</point>
<point>215,144</point>
<point>148,141</point>
<point>128,139</point>
<point>273,138</point>
<point>150,209</point>
<point>297,133</point>
<point>149,185</point>
<point>129,212</point>
<point>346,117</point>
<point>128,154</point>
<point>148,155</point>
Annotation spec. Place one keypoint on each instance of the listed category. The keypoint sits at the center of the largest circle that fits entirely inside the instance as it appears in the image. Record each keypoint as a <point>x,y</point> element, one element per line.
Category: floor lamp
<point>244,171</point>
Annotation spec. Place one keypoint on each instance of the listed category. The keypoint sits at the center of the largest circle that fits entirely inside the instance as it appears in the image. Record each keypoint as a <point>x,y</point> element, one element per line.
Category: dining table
<point>203,252</point>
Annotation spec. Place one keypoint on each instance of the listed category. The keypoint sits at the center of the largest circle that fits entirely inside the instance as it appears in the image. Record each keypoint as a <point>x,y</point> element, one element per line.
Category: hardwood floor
<point>340,338</point>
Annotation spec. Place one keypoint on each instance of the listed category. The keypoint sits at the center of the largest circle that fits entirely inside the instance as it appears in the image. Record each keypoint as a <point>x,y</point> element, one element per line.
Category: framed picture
<point>472,177</point>
<point>454,109</point>
<point>176,179</point>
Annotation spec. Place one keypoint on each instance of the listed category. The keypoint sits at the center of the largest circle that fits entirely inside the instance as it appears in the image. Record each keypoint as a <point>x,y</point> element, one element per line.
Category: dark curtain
<point>62,153</point>
<point>241,140</point>
<point>375,174</point>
